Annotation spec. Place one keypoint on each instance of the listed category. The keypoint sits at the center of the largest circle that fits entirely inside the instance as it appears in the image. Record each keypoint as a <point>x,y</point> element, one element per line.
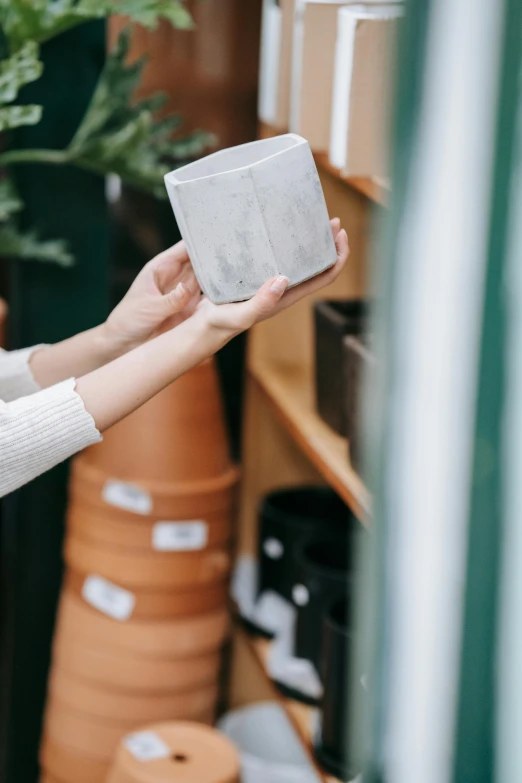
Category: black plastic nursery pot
<point>288,518</point>
<point>324,576</point>
<point>357,358</point>
<point>333,321</point>
<point>333,739</point>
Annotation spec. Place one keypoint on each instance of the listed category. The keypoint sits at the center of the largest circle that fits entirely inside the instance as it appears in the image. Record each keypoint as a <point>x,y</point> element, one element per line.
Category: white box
<point>269,61</point>
<point>363,89</point>
<point>313,68</point>
<point>313,60</point>
<point>252,212</point>
<point>275,63</point>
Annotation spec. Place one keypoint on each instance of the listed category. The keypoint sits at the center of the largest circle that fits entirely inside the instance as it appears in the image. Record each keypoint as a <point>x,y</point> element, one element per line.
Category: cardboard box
<point>275,63</point>
<point>313,66</point>
<point>313,63</point>
<point>363,89</point>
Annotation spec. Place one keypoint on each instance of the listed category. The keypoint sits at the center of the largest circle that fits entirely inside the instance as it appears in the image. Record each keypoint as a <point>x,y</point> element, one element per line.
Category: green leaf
<point>22,68</point>
<point>146,12</point>
<point>190,146</point>
<point>121,135</point>
<point>14,244</point>
<point>10,201</point>
<point>14,116</point>
<point>111,101</point>
<point>41,20</point>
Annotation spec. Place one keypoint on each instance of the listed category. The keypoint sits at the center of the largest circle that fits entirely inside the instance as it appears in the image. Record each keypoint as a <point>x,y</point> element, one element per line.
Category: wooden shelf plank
<point>290,392</point>
<point>376,189</point>
<point>302,717</point>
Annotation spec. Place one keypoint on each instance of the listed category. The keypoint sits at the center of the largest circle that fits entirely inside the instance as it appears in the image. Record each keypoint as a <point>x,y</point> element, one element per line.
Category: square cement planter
<point>252,212</point>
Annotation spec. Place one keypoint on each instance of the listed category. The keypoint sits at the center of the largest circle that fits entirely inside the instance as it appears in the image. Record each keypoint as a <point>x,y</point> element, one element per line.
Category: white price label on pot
<point>127,496</point>
<point>179,536</point>
<point>110,599</point>
<point>147,746</point>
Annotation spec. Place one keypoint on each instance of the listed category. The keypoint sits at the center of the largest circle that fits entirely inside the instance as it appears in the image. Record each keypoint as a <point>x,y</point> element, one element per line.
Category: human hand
<point>272,297</point>
<point>163,295</point>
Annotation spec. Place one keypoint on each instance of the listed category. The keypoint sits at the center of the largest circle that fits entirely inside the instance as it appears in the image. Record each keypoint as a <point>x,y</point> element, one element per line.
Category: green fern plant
<point>117,135</point>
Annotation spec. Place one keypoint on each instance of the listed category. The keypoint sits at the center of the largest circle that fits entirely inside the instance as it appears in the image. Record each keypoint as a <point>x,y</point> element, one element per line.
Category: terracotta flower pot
<point>176,753</point>
<point>103,528</point>
<point>79,733</point>
<point>148,569</point>
<point>108,704</point>
<point>131,672</point>
<point>90,737</point>
<point>154,639</point>
<point>66,766</point>
<point>159,605</point>
<point>141,497</point>
<point>178,436</point>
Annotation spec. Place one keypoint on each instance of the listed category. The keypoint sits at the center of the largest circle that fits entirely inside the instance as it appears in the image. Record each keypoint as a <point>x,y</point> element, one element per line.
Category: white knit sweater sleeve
<point>16,378</point>
<point>41,430</point>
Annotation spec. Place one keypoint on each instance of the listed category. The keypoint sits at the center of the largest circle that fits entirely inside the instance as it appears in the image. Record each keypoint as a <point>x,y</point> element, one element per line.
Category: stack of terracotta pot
<point>143,614</point>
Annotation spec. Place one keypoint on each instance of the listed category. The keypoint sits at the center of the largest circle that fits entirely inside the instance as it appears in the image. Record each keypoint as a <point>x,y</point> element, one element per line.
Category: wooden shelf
<point>290,393</point>
<point>302,716</point>
<point>376,189</point>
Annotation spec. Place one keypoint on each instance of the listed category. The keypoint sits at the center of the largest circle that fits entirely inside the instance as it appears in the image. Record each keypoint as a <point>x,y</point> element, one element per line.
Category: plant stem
<point>34,156</point>
<point>60,157</point>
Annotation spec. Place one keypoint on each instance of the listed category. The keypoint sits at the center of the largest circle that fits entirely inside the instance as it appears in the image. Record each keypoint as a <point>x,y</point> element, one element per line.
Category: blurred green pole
<point>508,756</point>
<point>47,304</point>
<point>366,723</point>
<point>475,743</point>
<point>436,404</point>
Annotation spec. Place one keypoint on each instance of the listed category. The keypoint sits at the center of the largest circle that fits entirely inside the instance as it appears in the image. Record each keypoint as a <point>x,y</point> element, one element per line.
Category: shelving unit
<point>250,656</point>
<point>285,440</point>
<point>289,390</point>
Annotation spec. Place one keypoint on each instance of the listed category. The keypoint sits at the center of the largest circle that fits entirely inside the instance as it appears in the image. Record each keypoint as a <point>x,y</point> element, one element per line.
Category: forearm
<point>75,357</point>
<point>118,388</point>
<point>44,428</point>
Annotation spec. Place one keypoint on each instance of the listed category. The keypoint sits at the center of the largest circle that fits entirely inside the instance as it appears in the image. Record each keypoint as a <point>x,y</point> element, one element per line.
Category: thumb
<point>267,298</point>
<point>177,299</point>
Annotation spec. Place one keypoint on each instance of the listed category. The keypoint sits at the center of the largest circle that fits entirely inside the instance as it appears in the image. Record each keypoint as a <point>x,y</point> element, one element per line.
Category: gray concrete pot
<point>252,212</point>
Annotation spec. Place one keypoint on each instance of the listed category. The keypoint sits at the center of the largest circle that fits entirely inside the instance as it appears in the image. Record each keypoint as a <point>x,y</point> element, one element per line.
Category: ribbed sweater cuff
<point>39,431</point>
<point>16,378</point>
